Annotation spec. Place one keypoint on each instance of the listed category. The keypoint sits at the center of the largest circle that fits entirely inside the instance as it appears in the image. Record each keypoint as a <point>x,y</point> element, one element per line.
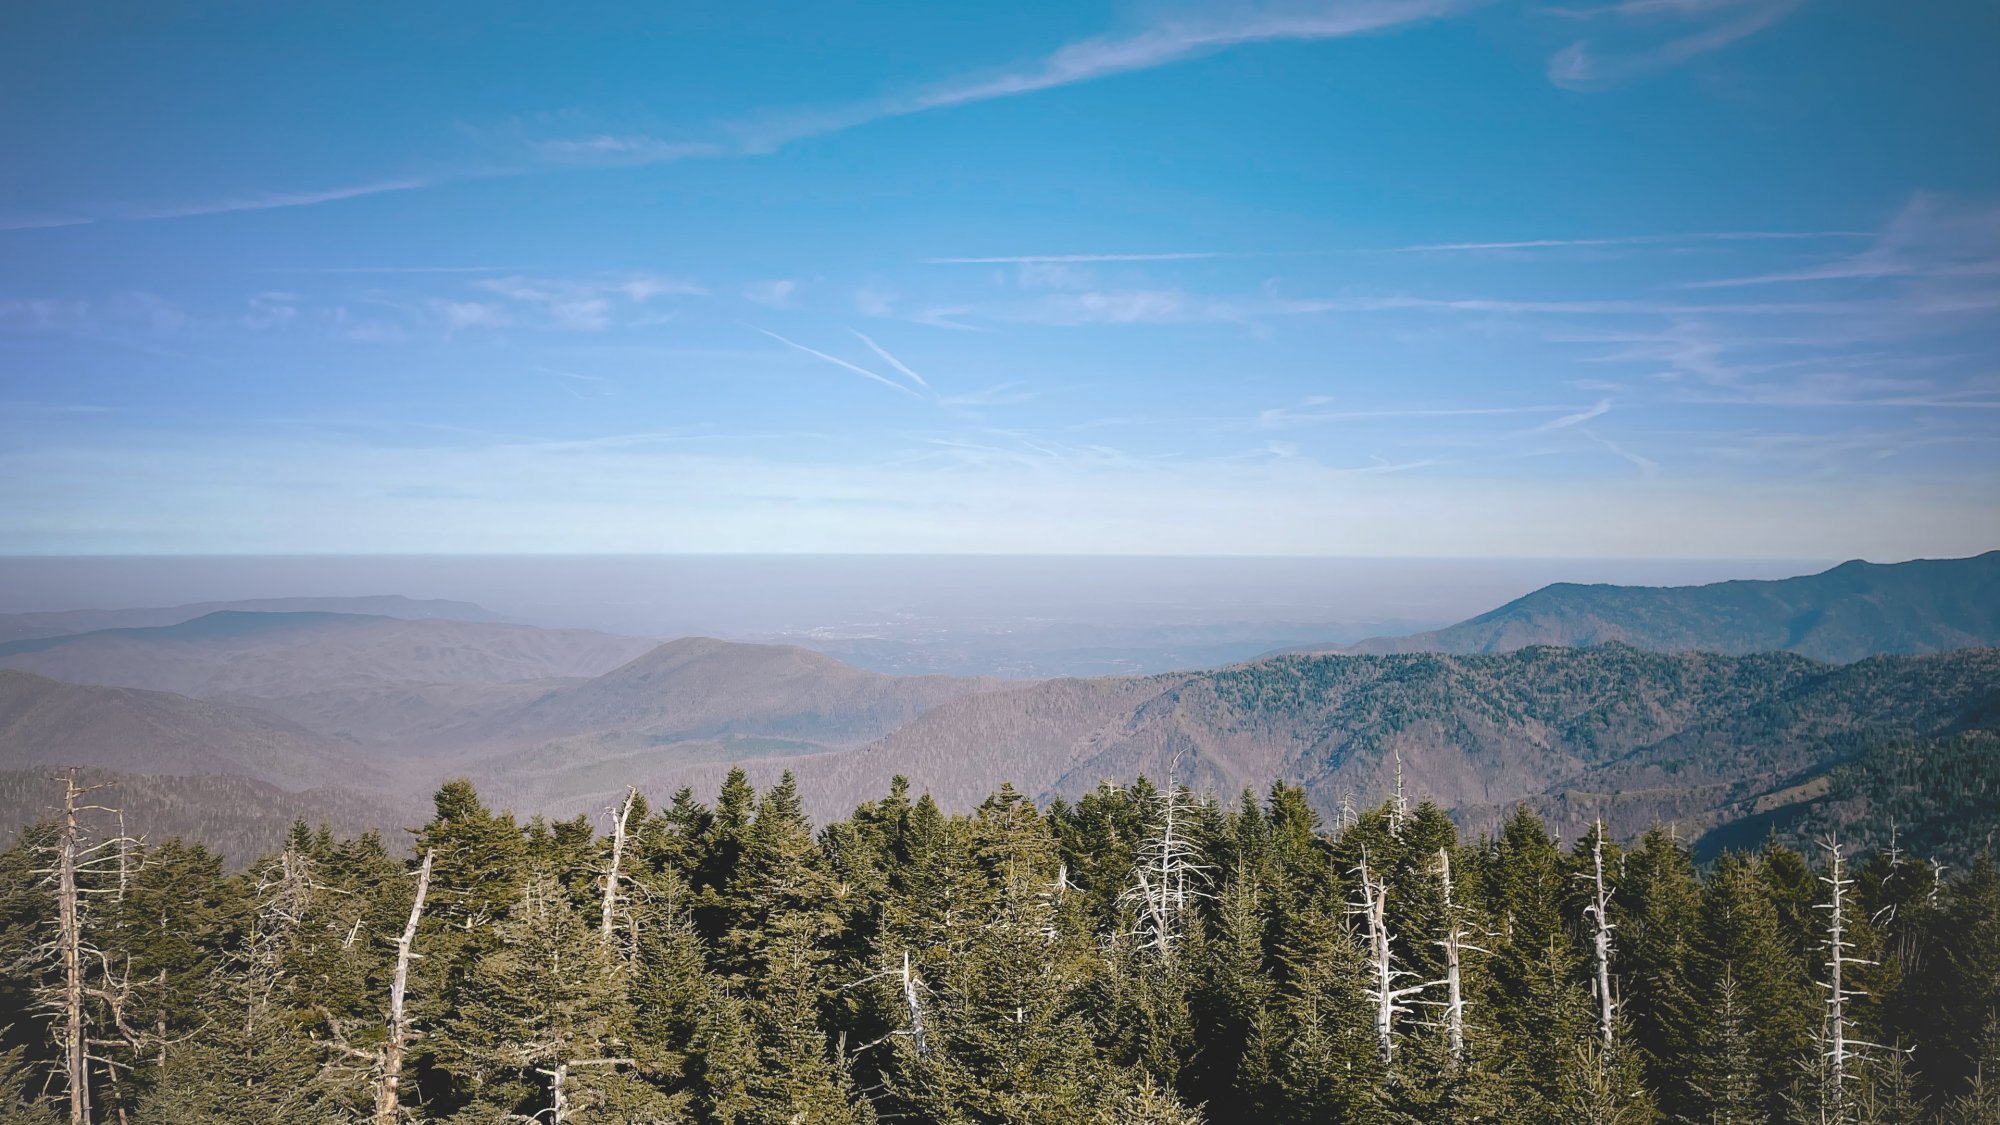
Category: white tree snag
<point>390,1066</point>
<point>1840,1051</point>
<point>1601,938</point>
<point>916,1028</point>
<point>71,1031</point>
<point>1454,1004</point>
<point>1383,994</point>
<point>1166,879</point>
<point>619,816</point>
<point>1399,805</point>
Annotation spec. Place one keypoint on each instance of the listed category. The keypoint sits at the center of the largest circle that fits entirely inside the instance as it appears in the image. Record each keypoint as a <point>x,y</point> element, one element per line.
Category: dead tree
<point>1454,945</point>
<point>907,984</point>
<point>72,1031</point>
<point>76,1004</point>
<point>389,1063</point>
<point>1598,911</point>
<point>558,1076</point>
<point>1839,1051</point>
<point>1167,878</point>
<point>1399,804</point>
<point>1383,993</point>
<point>619,817</point>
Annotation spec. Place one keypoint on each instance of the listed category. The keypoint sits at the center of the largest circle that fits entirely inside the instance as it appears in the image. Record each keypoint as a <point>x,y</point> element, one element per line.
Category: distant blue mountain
<point>22,626</point>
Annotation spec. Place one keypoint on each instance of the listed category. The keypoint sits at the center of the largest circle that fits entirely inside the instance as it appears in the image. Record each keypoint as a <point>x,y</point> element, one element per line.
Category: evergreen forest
<point>1142,954</point>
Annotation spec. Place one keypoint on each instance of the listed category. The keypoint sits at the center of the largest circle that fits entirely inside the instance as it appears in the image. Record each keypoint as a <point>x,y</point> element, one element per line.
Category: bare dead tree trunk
<point>917,1038</point>
<point>124,859</point>
<point>1601,939</point>
<point>1454,1004</point>
<point>1836,995</point>
<point>1164,879</point>
<point>1840,1050</point>
<point>160,1024</point>
<point>390,1065</point>
<point>1382,993</point>
<point>69,936</point>
<point>618,818</point>
<point>1399,806</point>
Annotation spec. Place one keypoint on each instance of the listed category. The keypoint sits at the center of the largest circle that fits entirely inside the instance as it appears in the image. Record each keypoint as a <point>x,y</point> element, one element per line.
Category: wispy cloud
<point>1648,36</point>
<point>837,361</point>
<point>1162,44</point>
<point>591,304</point>
<point>1315,410</point>
<point>1626,240</point>
<point>43,314</point>
<point>34,220</point>
<point>389,269</point>
<point>774,294</point>
<point>1038,259</point>
<point>1931,236</point>
<point>1647,466</point>
<point>132,212</point>
<point>1596,410</point>
<point>580,385</point>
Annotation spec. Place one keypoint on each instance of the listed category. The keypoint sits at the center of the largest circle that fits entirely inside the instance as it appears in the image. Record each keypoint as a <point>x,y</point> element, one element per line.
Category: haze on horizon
<point>1412,278</point>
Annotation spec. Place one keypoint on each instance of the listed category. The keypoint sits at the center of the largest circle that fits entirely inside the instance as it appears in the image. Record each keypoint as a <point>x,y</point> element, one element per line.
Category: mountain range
<point>1855,610</point>
<point>356,717</point>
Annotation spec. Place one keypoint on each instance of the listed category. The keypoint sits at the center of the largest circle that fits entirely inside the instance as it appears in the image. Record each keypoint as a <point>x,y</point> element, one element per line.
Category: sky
<point>1585,278</point>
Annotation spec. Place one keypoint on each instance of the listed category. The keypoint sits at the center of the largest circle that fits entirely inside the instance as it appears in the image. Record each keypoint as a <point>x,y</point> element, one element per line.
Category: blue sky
<point>1703,278</point>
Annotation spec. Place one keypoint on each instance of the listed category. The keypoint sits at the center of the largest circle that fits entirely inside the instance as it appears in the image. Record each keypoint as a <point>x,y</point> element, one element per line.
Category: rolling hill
<point>700,688</point>
<point>1855,610</point>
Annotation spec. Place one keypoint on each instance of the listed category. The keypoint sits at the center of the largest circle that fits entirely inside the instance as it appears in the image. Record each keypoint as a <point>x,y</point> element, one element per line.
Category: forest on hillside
<point>1142,954</point>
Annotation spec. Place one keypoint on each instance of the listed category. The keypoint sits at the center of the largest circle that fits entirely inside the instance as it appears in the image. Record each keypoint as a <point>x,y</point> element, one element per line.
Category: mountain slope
<point>1855,610</point>
<point>45,723</point>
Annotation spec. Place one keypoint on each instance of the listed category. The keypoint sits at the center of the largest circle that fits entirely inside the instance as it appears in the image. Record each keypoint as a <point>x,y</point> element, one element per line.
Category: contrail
<point>837,361</point>
<point>893,361</point>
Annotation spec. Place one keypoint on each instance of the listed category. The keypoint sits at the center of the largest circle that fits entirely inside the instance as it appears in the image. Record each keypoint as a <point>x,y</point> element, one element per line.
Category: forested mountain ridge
<point>1855,610</point>
<point>1653,736</point>
<point>1134,957</point>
